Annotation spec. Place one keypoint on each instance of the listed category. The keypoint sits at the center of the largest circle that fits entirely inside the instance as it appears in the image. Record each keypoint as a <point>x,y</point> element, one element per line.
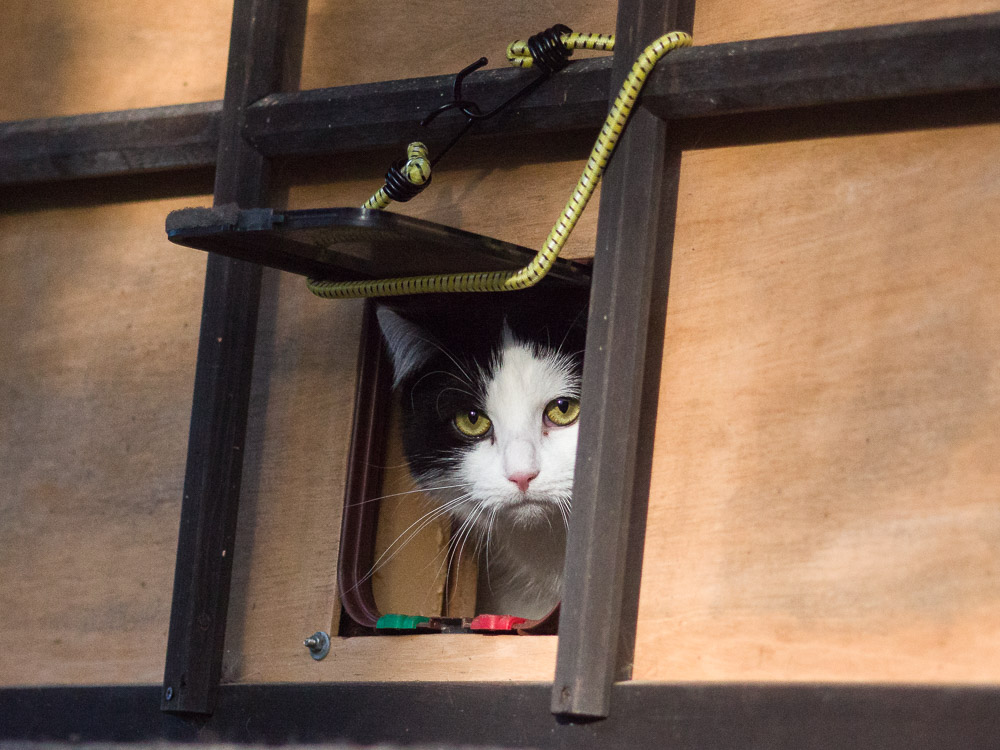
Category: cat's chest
<point>525,569</point>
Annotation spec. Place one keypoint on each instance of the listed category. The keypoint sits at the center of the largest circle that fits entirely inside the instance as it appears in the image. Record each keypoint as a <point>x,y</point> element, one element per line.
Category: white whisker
<point>489,535</point>
<point>465,531</point>
<point>408,535</point>
<point>410,492</point>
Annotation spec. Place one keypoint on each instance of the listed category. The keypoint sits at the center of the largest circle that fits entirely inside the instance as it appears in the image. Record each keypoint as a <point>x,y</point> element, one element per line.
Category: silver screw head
<point>318,644</point>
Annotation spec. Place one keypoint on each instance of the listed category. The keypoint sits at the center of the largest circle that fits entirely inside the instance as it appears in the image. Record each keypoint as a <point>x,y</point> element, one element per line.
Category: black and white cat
<point>489,389</point>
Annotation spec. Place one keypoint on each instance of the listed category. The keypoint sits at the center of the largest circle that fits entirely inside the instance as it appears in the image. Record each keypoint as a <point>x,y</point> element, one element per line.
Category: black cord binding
<point>548,51</point>
<point>398,187</point>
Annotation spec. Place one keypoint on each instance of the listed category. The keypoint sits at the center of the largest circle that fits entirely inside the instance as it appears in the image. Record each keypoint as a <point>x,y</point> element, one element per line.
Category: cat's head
<point>490,401</point>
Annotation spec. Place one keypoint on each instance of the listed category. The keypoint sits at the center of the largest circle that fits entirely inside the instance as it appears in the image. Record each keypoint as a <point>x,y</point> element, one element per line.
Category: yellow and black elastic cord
<point>404,180</point>
<point>537,51</point>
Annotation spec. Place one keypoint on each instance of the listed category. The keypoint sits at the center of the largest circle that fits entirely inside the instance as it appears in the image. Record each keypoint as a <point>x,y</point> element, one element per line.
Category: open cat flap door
<point>352,244</point>
<point>392,579</point>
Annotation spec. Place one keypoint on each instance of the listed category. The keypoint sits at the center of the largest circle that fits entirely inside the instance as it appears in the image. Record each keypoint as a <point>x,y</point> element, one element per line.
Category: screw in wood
<point>318,644</point>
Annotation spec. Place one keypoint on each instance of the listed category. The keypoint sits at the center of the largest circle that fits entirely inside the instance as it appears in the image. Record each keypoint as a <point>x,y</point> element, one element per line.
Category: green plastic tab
<point>400,622</point>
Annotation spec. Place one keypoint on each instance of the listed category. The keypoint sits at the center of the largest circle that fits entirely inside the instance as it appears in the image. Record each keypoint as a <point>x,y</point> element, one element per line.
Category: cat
<point>489,389</point>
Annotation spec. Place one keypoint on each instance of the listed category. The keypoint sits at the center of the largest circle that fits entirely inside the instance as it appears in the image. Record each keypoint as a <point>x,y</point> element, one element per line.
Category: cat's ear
<point>507,337</point>
<point>408,344</point>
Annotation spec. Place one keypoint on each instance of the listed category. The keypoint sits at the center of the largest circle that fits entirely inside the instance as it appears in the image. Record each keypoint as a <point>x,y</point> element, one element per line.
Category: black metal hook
<point>549,55</point>
<point>469,109</point>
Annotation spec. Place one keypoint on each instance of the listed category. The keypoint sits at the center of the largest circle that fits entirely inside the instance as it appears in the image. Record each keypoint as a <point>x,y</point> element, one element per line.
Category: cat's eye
<point>562,412</point>
<point>472,423</point>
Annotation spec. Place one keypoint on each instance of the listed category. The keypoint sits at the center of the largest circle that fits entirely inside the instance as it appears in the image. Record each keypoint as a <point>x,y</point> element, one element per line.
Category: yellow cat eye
<point>562,411</point>
<point>472,423</point>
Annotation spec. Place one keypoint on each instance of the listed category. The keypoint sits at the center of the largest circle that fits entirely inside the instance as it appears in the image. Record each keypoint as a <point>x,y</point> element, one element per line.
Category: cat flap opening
<point>500,488</point>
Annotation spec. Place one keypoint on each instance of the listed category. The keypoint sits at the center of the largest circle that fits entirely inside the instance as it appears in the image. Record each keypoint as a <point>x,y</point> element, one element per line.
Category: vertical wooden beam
<point>222,382</point>
<point>620,381</point>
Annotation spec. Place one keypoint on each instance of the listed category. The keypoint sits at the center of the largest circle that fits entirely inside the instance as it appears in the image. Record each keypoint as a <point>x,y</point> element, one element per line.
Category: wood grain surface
<point>100,320</point>
<point>826,491</point>
<point>729,20</point>
<point>823,502</point>
<point>71,57</point>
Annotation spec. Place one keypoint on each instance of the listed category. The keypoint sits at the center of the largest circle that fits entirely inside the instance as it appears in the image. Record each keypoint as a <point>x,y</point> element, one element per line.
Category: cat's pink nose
<point>522,479</point>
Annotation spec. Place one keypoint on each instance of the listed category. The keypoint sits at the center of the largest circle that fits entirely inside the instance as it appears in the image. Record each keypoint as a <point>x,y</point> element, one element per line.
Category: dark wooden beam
<point>378,115</point>
<point>429,714</point>
<point>628,301</point>
<point>811,70</point>
<point>110,143</point>
<point>880,62</point>
<point>222,383</point>
<point>947,55</point>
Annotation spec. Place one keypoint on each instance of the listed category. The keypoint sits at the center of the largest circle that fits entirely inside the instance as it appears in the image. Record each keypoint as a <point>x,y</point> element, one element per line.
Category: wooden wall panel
<point>762,560</point>
<point>515,197</point>
<point>718,21</point>
<point>825,501</point>
<point>514,193</point>
<point>297,437</point>
<point>100,318</point>
<point>357,42</point>
<point>411,548</point>
<point>72,57</point>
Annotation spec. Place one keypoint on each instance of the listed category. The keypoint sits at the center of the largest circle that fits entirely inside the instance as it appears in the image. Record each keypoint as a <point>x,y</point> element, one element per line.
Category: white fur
<point>523,532</point>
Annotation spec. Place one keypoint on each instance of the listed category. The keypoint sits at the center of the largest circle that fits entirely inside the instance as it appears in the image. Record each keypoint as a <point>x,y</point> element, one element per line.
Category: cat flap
<point>534,339</point>
<point>345,244</point>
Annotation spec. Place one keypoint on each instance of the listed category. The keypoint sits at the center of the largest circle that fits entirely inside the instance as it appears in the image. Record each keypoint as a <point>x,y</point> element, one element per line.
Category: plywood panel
<point>718,21</point>
<point>415,559</point>
<point>287,541</point>
<point>96,380</point>
<point>412,541</point>
<point>453,658</point>
<point>71,57</point>
<point>100,317</point>
<point>825,501</point>
<point>356,42</point>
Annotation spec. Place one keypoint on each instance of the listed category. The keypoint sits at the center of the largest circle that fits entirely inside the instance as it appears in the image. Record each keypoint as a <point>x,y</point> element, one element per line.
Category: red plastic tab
<point>493,623</point>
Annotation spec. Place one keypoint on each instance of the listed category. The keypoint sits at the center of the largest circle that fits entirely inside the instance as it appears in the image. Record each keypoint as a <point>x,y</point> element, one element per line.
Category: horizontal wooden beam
<point>942,56</point>
<point>110,143</point>
<point>948,55</point>
<point>376,115</point>
<point>515,714</point>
